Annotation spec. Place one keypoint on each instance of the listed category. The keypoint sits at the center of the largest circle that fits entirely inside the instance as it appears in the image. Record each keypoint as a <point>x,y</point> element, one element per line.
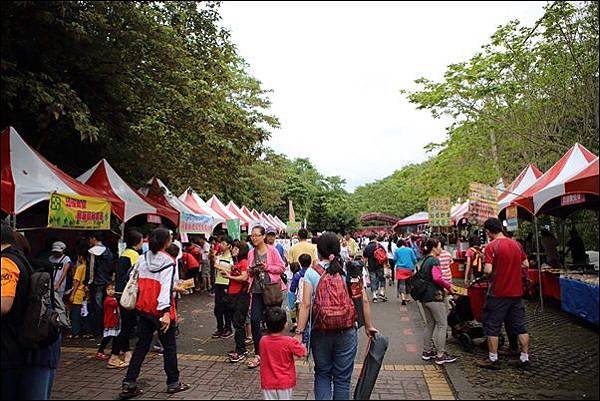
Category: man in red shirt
<point>504,261</point>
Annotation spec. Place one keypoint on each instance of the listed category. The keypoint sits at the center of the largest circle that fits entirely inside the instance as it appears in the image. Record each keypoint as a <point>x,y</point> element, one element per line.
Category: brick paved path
<point>564,355</point>
<point>403,376</point>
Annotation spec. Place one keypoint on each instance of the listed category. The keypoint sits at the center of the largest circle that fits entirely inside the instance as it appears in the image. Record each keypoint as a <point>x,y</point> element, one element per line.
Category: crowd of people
<point>329,275</point>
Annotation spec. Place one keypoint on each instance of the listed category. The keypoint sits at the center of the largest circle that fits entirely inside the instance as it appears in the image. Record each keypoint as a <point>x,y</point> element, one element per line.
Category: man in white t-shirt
<point>61,263</point>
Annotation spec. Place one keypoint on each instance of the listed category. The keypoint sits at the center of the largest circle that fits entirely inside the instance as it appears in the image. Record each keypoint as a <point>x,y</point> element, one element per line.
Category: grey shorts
<point>205,270</point>
<point>509,311</point>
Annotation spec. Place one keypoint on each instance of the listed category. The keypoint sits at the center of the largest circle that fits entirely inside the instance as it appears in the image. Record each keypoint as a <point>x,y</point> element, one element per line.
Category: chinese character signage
<point>196,224</point>
<point>233,228</point>
<point>153,218</point>
<point>439,212</point>
<point>78,212</point>
<point>483,203</point>
<point>572,199</point>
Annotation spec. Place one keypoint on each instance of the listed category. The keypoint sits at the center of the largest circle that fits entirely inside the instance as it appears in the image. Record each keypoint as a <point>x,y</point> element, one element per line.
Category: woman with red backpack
<point>328,298</point>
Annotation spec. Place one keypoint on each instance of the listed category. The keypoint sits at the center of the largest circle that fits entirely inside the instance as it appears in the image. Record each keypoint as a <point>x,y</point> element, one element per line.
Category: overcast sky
<point>337,68</point>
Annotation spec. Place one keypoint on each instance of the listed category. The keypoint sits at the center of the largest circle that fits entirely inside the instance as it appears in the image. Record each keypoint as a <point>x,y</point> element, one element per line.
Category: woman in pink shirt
<point>434,305</point>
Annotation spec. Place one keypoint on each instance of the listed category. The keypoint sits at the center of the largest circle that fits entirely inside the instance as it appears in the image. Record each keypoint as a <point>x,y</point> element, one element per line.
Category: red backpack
<point>332,308</point>
<point>380,255</point>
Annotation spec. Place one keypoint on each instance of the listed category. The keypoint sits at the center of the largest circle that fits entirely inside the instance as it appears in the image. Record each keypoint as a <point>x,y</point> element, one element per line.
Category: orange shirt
<point>10,277</point>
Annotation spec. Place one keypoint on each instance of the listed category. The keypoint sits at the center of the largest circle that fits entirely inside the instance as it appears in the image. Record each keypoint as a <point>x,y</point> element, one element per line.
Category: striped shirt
<point>445,259</point>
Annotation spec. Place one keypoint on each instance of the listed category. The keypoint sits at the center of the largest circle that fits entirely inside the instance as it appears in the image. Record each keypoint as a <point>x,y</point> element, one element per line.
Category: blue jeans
<point>257,315</point>
<point>333,353</point>
<point>28,383</point>
<point>377,280</point>
<point>97,321</point>
<point>79,324</point>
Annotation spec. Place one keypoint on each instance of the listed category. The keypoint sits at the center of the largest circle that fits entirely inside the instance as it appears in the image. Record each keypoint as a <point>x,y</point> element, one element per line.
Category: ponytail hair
<point>328,246</point>
<point>429,245</point>
<point>159,239</point>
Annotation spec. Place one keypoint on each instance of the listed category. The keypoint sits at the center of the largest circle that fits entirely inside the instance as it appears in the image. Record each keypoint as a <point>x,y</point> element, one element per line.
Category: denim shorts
<point>509,311</point>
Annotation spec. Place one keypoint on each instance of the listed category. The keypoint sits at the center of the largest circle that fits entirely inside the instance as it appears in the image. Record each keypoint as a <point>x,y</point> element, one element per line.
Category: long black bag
<point>376,348</point>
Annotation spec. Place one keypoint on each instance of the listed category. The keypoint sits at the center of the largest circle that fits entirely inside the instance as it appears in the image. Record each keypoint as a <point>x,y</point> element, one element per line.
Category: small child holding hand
<point>277,352</point>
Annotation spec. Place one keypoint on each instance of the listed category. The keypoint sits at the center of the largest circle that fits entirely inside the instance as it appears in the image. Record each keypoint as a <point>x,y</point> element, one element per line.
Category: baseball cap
<point>58,246</point>
<point>271,230</point>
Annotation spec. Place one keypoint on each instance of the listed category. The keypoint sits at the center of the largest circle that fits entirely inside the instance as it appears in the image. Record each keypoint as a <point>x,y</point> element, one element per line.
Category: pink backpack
<point>332,308</point>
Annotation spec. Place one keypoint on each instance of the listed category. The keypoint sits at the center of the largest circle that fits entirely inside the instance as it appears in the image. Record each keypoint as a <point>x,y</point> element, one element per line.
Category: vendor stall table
<point>550,283</point>
<point>580,299</point>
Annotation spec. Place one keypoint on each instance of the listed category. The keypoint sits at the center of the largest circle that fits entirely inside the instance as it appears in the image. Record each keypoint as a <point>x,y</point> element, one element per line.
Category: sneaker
<point>227,334</point>
<point>445,358</point>
<point>102,356</point>
<point>375,300</point>
<point>383,298</point>
<point>488,364</point>
<point>520,364</point>
<point>129,391</point>
<point>245,353</point>
<point>217,334</point>
<point>428,355</point>
<point>235,357</point>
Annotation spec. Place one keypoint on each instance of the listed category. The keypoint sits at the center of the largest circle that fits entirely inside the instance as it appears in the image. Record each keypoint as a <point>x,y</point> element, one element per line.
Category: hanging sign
<point>512,223</point>
<point>483,203</point>
<point>195,224</point>
<point>439,212</point>
<point>154,219</point>
<point>76,212</point>
<point>233,228</point>
<point>572,199</point>
<point>293,227</point>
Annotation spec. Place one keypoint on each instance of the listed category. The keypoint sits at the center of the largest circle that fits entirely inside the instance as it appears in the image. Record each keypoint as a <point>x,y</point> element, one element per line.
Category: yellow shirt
<point>10,278</point>
<point>80,292</point>
<point>300,248</point>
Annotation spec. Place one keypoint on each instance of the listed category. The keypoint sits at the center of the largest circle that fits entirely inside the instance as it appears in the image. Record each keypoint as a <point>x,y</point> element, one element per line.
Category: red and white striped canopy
<point>277,222</point>
<point>269,220</point>
<point>156,190</point>
<point>414,219</point>
<point>586,181</point>
<point>28,178</point>
<point>459,211</point>
<point>522,183</point>
<point>283,225</point>
<point>220,208</point>
<point>244,218</point>
<point>195,202</point>
<point>105,179</point>
<point>256,215</point>
<point>574,161</point>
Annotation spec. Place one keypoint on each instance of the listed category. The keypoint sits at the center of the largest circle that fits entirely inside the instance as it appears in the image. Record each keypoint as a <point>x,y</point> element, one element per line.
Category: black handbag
<point>272,294</point>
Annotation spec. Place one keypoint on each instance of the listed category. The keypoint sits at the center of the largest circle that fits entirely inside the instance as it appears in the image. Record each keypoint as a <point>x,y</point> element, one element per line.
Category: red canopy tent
<point>244,218</point>
<point>221,209</point>
<point>28,178</point>
<point>195,202</point>
<point>105,179</point>
<point>575,160</point>
<point>522,183</point>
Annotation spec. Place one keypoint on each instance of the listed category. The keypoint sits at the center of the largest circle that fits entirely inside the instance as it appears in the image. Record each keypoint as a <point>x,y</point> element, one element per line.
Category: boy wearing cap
<point>61,263</point>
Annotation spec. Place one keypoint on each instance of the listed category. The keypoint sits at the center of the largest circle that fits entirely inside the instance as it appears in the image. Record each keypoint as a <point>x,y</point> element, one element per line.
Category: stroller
<point>466,315</point>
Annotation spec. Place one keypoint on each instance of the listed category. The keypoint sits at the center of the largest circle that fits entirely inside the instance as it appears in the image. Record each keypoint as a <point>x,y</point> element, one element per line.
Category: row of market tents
<point>28,179</point>
<point>534,193</point>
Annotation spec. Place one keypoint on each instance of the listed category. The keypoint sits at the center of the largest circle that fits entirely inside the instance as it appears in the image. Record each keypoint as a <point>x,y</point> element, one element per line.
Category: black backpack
<point>420,283</point>
<point>45,315</point>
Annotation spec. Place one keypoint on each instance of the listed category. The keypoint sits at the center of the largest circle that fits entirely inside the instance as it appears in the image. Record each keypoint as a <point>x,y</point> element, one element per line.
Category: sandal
<point>129,392</point>
<point>118,365</point>
<point>102,357</point>
<point>180,387</point>
<point>255,363</point>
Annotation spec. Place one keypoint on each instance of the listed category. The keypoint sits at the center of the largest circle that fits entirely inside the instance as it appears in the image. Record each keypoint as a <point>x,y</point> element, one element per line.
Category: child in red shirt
<point>277,351</point>
<point>112,328</point>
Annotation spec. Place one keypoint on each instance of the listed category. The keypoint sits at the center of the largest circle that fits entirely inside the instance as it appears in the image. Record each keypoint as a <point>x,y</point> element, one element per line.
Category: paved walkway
<point>202,364</point>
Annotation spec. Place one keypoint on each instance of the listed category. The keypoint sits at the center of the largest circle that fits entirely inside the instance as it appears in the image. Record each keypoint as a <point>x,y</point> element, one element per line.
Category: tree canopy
<point>527,96</point>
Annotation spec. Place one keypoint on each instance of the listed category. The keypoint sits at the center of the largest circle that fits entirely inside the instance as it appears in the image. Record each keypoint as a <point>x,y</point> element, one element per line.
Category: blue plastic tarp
<point>579,299</point>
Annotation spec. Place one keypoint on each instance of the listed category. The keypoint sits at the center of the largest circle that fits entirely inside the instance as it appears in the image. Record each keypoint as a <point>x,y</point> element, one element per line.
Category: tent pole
<point>537,246</point>
<point>562,241</point>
